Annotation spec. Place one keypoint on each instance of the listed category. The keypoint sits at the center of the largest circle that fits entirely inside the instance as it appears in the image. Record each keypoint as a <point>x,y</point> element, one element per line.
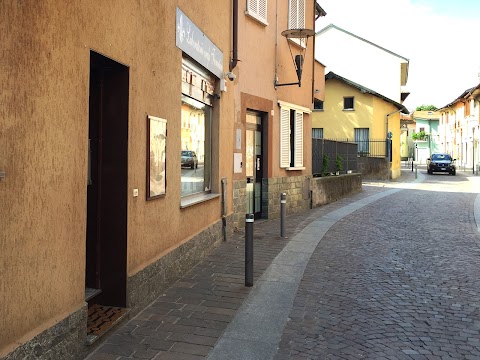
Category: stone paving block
<point>192,349</point>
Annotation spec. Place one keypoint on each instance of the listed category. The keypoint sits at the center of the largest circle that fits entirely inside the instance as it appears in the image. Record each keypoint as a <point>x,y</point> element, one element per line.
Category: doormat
<point>101,319</point>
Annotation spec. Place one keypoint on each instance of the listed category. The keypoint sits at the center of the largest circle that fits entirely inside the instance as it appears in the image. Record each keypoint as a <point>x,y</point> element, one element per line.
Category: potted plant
<point>325,164</point>
<point>419,136</point>
<point>338,164</point>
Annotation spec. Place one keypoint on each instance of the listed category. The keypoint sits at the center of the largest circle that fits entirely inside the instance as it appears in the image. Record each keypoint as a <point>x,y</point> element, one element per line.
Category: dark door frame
<point>259,173</point>
<point>106,258</point>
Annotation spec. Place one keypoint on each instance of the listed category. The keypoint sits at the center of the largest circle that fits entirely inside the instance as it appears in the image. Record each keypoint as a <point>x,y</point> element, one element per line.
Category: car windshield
<point>441,157</point>
<point>186,153</point>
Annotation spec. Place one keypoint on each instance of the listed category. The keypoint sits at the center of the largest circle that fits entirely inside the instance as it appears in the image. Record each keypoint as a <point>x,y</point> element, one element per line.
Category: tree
<point>426,108</point>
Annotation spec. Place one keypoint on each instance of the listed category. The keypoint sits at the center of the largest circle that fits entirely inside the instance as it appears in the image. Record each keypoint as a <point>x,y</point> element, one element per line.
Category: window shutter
<point>296,17</point>
<point>292,14</point>
<point>298,139</point>
<point>296,14</point>
<point>262,9</point>
<point>301,14</point>
<point>258,9</point>
<point>284,138</point>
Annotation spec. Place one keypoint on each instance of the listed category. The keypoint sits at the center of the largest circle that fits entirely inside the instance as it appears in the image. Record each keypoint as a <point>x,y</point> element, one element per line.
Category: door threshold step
<point>90,293</point>
<point>101,319</point>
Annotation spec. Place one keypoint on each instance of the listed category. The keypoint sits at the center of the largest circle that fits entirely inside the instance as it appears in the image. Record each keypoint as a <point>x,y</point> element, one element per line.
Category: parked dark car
<point>441,163</point>
<point>189,159</point>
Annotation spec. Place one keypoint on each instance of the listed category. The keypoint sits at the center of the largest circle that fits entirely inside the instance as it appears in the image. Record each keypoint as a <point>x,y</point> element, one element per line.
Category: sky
<point>439,37</point>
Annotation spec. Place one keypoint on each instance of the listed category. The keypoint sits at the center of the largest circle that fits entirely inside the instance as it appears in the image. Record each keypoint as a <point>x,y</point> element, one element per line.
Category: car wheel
<point>196,166</point>
<point>453,172</point>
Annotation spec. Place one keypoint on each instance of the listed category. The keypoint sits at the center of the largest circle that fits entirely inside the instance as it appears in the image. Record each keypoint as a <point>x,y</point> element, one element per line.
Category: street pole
<point>249,218</point>
<point>283,205</point>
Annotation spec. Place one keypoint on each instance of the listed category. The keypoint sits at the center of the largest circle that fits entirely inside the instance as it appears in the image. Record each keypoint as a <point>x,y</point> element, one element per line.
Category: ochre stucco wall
<point>340,124</point>
<point>370,112</point>
<point>43,137</point>
<point>255,72</point>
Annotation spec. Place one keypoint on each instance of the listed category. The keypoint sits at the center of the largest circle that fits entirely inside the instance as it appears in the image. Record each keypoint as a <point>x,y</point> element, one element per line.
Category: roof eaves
<point>332,26</point>
<point>332,75</point>
<point>319,10</point>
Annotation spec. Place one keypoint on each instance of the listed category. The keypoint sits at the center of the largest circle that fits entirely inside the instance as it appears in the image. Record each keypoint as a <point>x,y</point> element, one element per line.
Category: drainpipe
<point>386,138</point>
<point>276,43</point>
<point>233,61</point>
<point>313,52</point>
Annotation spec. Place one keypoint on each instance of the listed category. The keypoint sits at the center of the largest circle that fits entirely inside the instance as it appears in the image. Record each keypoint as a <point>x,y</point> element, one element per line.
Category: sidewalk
<point>188,320</point>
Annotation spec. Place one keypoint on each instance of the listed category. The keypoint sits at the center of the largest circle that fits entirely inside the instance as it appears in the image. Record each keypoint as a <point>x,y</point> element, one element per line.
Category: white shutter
<point>257,9</point>
<point>284,138</point>
<point>296,17</point>
<point>301,14</point>
<point>292,14</point>
<point>298,139</point>
<point>262,9</point>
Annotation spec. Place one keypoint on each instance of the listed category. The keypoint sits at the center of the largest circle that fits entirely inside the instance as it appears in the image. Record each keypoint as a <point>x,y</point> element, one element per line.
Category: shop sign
<point>191,40</point>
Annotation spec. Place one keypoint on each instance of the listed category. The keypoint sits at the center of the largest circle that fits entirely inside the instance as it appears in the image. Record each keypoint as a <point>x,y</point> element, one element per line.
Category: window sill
<point>348,109</point>
<point>321,110</point>
<point>197,199</point>
<point>296,168</point>
<point>257,18</point>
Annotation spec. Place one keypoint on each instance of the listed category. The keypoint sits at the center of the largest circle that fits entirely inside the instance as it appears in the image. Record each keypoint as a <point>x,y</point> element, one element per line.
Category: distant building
<point>362,61</point>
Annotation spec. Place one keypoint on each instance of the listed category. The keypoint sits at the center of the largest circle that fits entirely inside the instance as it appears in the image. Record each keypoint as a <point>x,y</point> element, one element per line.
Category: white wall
<point>360,62</point>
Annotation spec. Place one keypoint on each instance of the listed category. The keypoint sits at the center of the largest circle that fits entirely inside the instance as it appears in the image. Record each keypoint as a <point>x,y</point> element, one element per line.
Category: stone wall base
<point>373,168</point>
<point>332,188</point>
<point>149,283</point>
<point>297,189</point>
<point>65,340</point>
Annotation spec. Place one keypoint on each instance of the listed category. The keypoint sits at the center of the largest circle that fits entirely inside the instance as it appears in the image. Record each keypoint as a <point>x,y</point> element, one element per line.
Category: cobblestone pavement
<point>385,282</point>
<point>187,321</point>
<point>397,279</point>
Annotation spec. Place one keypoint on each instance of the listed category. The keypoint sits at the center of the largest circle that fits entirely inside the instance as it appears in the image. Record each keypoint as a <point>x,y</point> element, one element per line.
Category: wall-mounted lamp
<point>297,59</point>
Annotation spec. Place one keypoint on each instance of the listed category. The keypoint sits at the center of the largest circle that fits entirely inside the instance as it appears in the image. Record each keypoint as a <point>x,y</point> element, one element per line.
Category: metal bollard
<point>249,249</point>
<point>415,171</point>
<point>412,165</point>
<point>283,212</point>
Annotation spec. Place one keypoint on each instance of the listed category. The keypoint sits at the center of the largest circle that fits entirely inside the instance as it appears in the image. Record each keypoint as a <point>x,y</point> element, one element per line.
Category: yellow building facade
<point>368,110</point>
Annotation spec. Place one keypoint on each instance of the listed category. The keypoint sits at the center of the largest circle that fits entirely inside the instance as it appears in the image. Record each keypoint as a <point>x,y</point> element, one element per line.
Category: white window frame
<point>362,135</point>
<point>286,136</point>
<point>316,131</point>
<point>353,103</point>
<point>296,18</point>
<point>257,9</point>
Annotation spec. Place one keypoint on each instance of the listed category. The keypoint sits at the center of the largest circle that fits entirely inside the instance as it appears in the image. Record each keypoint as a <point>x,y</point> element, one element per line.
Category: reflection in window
<point>196,146</point>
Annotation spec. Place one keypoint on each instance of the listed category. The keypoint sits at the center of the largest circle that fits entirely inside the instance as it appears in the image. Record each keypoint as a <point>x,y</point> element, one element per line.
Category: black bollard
<point>283,212</point>
<point>249,249</point>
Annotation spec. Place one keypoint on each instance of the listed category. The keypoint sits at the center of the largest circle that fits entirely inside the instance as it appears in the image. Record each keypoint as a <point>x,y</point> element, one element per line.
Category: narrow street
<point>390,273</point>
<point>397,279</point>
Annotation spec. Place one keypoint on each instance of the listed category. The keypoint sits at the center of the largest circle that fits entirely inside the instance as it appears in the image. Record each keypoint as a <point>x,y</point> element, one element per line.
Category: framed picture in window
<point>156,147</point>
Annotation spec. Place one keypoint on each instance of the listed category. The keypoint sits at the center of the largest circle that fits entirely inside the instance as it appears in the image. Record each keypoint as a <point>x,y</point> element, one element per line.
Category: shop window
<point>257,9</point>
<point>348,103</point>
<point>196,132</point>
